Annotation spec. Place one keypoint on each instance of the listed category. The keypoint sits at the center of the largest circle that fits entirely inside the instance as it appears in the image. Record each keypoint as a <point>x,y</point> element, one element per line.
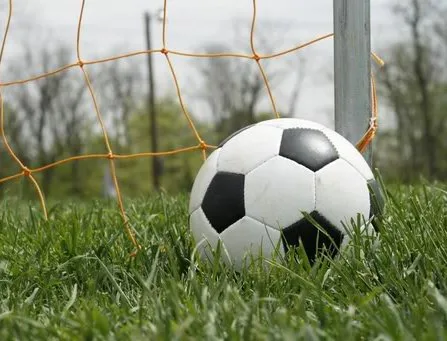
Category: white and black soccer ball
<point>251,192</point>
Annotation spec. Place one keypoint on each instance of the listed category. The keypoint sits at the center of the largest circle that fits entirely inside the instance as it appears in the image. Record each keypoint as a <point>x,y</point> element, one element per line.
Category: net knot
<point>26,171</point>
<point>81,63</point>
<point>256,57</point>
<point>110,156</point>
<point>202,145</point>
<point>164,51</point>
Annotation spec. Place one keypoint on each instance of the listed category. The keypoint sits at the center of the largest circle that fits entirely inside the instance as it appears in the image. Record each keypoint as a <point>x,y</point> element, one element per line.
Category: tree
<point>413,84</point>
<point>53,118</point>
<point>179,169</point>
<point>234,88</point>
<point>121,95</point>
<point>16,140</point>
<point>50,113</point>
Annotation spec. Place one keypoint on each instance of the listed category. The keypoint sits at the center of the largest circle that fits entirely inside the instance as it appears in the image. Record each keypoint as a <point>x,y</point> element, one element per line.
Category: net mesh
<point>201,146</point>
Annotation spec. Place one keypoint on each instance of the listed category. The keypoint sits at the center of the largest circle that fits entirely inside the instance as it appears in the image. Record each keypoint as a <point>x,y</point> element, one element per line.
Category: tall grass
<point>71,278</point>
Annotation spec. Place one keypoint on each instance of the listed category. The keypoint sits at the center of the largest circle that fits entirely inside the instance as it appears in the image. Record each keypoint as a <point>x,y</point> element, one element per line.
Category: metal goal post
<point>352,69</point>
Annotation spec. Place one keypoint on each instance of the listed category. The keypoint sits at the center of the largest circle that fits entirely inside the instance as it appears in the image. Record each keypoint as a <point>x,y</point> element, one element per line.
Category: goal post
<point>352,69</point>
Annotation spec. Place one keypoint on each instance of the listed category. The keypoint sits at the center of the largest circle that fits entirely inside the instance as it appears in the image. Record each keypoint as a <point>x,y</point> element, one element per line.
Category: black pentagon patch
<point>308,147</point>
<point>305,233</point>
<point>223,203</point>
<point>376,201</point>
<point>234,134</point>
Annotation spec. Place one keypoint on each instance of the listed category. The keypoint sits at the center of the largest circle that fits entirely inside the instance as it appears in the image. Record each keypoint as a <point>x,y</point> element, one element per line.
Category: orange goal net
<point>201,145</point>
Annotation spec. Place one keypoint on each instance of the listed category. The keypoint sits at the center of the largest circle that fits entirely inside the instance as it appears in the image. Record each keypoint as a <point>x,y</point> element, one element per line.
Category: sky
<point>113,27</point>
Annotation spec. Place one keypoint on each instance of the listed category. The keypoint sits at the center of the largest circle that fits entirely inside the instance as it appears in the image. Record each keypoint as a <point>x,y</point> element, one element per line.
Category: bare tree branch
<point>52,110</point>
<point>121,84</point>
<point>233,88</point>
<point>413,84</point>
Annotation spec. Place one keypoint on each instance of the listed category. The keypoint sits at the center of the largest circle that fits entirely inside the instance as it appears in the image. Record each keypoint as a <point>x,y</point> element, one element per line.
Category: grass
<point>71,278</point>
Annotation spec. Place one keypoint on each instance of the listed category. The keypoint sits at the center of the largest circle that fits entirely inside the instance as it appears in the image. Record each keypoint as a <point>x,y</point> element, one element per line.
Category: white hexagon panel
<point>249,148</point>
<point>278,191</point>
<point>349,153</point>
<point>288,123</point>
<point>204,234</point>
<point>341,193</point>
<point>249,237</point>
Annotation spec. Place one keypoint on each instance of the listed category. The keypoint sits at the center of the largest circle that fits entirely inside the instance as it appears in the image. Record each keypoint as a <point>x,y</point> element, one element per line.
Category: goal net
<point>31,160</point>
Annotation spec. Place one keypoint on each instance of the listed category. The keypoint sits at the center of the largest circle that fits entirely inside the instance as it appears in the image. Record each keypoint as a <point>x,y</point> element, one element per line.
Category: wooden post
<point>352,69</point>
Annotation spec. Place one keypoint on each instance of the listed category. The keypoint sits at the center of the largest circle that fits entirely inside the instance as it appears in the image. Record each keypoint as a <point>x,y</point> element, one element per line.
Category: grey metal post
<point>352,69</point>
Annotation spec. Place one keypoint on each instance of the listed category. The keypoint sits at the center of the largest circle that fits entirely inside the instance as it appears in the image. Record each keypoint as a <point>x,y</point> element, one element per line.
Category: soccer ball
<point>262,185</point>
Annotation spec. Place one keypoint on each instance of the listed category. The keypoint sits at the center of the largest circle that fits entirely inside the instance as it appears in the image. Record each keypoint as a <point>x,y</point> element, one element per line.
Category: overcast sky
<point>112,25</point>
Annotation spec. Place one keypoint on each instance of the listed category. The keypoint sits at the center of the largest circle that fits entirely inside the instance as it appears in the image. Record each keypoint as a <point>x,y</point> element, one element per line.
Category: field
<point>72,279</point>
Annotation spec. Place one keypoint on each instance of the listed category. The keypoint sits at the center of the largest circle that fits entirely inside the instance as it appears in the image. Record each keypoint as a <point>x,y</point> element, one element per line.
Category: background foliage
<point>53,118</point>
